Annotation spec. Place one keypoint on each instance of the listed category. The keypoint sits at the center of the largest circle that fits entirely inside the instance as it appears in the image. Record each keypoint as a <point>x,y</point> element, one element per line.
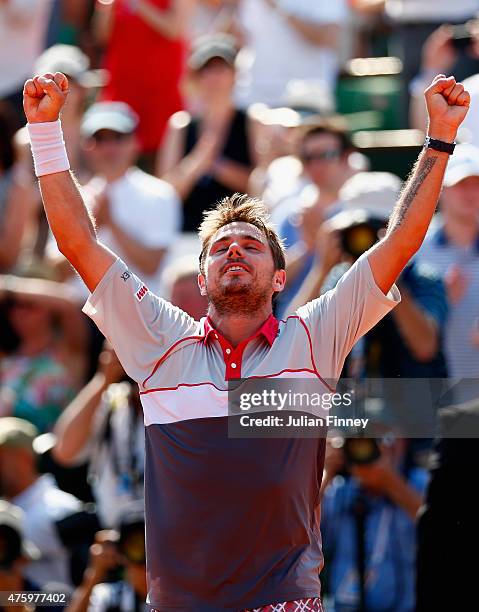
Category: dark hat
<point>115,116</point>
<point>13,544</point>
<point>73,62</point>
<point>207,48</point>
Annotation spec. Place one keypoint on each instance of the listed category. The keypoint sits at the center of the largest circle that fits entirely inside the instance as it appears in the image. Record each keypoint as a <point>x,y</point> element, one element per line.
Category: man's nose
<point>235,250</point>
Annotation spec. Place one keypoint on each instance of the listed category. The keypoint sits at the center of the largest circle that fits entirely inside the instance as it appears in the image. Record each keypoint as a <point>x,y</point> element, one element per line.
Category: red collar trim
<point>269,330</point>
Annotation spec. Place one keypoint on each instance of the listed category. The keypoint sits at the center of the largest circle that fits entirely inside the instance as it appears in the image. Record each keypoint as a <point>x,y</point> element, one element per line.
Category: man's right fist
<point>44,97</point>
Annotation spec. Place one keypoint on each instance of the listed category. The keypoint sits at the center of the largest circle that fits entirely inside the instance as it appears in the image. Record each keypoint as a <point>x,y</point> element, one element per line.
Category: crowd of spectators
<point>172,105</point>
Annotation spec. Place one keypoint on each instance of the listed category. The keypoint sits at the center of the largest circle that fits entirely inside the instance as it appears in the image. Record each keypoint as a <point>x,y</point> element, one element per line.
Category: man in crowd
<point>453,249</point>
<point>137,215</point>
<point>258,554</point>
<point>54,520</point>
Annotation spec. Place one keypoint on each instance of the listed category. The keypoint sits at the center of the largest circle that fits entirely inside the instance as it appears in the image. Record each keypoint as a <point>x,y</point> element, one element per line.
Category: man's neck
<point>237,328</point>
<point>461,233</point>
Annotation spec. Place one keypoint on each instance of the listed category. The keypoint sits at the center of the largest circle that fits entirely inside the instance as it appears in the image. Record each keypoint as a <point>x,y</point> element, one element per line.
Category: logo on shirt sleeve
<point>125,276</point>
<point>140,294</point>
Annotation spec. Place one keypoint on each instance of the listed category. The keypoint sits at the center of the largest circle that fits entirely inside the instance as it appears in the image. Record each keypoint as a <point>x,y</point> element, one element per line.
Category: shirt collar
<point>269,330</point>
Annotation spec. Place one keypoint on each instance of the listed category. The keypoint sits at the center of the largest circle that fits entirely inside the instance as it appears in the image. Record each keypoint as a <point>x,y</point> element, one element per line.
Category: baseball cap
<point>13,543</point>
<point>17,433</point>
<point>209,47</point>
<point>464,163</point>
<point>115,116</point>
<point>73,62</point>
<point>376,193</point>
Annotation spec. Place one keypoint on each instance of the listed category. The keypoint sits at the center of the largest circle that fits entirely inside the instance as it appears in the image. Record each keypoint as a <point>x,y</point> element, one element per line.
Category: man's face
<point>240,276</point>
<point>111,152</point>
<point>13,463</point>
<point>323,161</point>
<point>461,201</point>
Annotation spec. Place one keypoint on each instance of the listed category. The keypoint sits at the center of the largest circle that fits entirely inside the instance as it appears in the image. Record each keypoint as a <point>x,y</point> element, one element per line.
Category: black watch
<point>439,145</point>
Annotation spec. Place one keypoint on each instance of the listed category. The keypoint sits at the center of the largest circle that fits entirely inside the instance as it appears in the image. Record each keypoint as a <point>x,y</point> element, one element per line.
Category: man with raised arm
<point>232,523</point>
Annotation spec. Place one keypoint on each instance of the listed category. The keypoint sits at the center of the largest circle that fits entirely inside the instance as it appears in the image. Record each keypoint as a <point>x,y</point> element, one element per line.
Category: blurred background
<point>316,107</point>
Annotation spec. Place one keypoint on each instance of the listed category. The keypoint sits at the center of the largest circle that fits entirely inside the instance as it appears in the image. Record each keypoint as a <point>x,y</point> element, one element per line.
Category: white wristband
<point>48,147</point>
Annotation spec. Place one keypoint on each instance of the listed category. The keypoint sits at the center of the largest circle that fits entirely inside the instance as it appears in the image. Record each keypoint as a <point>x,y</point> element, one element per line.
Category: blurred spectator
<point>125,549</point>
<point>54,520</point>
<point>23,27</point>
<point>408,341</point>
<point>208,157</point>
<point>453,249</point>
<point>104,424</point>
<point>40,372</point>
<point>81,81</point>
<point>137,215</point>
<point>181,286</point>
<point>16,203</point>
<point>367,527</point>
<point>214,16</point>
<point>146,72</point>
<point>448,50</point>
<point>324,152</point>
<point>413,21</point>
<point>15,553</point>
<point>302,43</point>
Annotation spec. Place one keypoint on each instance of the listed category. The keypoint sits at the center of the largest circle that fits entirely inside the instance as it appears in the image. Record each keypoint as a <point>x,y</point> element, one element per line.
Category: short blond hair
<point>240,208</point>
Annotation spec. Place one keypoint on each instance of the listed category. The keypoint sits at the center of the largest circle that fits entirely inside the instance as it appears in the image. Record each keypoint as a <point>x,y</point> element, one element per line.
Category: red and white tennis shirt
<point>231,524</point>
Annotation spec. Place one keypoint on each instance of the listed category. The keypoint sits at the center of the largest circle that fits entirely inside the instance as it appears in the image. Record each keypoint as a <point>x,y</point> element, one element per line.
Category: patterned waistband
<point>312,604</point>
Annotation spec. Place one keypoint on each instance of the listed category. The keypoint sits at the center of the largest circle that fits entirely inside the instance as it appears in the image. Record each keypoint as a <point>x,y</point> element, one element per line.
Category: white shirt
<point>44,504</point>
<point>469,130</point>
<point>431,10</point>
<point>280,53</point>
<point>143,206</point>
<point>23,26</point>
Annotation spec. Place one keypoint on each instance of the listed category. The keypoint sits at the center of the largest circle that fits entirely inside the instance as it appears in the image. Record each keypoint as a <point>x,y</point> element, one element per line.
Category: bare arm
<point>67,214</point>
<point>321,34</point>
<point>172,22</point>
<point>447,104</point>
<point>74,427</point>
<point>418,330</point>
<point>102,22</point>
<point>19,206</point>
<point>184,171</point>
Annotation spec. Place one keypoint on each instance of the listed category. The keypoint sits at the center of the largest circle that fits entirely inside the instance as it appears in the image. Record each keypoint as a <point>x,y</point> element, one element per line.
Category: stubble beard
<point>239,298</point>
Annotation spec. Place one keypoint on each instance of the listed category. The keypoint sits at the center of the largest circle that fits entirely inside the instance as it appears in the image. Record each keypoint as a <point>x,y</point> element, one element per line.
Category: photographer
<point>407,342</point>
<point>371,494</point>
<point>15,553</point>
<point>56,522</point>
<point>115,579</point>
<point>104,424</point>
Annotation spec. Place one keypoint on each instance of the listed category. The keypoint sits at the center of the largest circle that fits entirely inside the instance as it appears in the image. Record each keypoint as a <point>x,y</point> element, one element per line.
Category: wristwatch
<point>439,145</point>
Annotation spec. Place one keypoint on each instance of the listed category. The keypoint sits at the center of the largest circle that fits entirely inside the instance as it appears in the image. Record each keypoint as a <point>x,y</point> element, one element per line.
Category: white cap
<point>462,164</point>
<point>373,192</point>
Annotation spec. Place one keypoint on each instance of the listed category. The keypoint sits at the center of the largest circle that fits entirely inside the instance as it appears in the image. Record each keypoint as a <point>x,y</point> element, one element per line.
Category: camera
<point>361,451</point>
<point>359,230</point>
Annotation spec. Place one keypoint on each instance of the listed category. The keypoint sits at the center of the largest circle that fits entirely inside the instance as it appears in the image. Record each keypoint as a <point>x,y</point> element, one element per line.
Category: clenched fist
<point>44,97</point>
<point>447,105</point>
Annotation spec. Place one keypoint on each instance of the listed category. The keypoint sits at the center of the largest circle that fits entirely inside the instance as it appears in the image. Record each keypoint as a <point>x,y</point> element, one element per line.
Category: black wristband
<point>439,145</point>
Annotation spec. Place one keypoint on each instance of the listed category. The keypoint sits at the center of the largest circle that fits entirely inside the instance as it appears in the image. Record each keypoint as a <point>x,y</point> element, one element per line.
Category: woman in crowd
<point>207,156</point>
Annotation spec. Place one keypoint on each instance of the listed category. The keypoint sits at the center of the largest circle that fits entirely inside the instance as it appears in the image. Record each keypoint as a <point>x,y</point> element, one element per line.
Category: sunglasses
<point>323,156</point>
<point>101,137</point>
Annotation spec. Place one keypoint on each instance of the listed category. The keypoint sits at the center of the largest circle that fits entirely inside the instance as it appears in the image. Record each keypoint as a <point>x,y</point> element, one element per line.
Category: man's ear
<point>202,284</point>
<point>279,280</point>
